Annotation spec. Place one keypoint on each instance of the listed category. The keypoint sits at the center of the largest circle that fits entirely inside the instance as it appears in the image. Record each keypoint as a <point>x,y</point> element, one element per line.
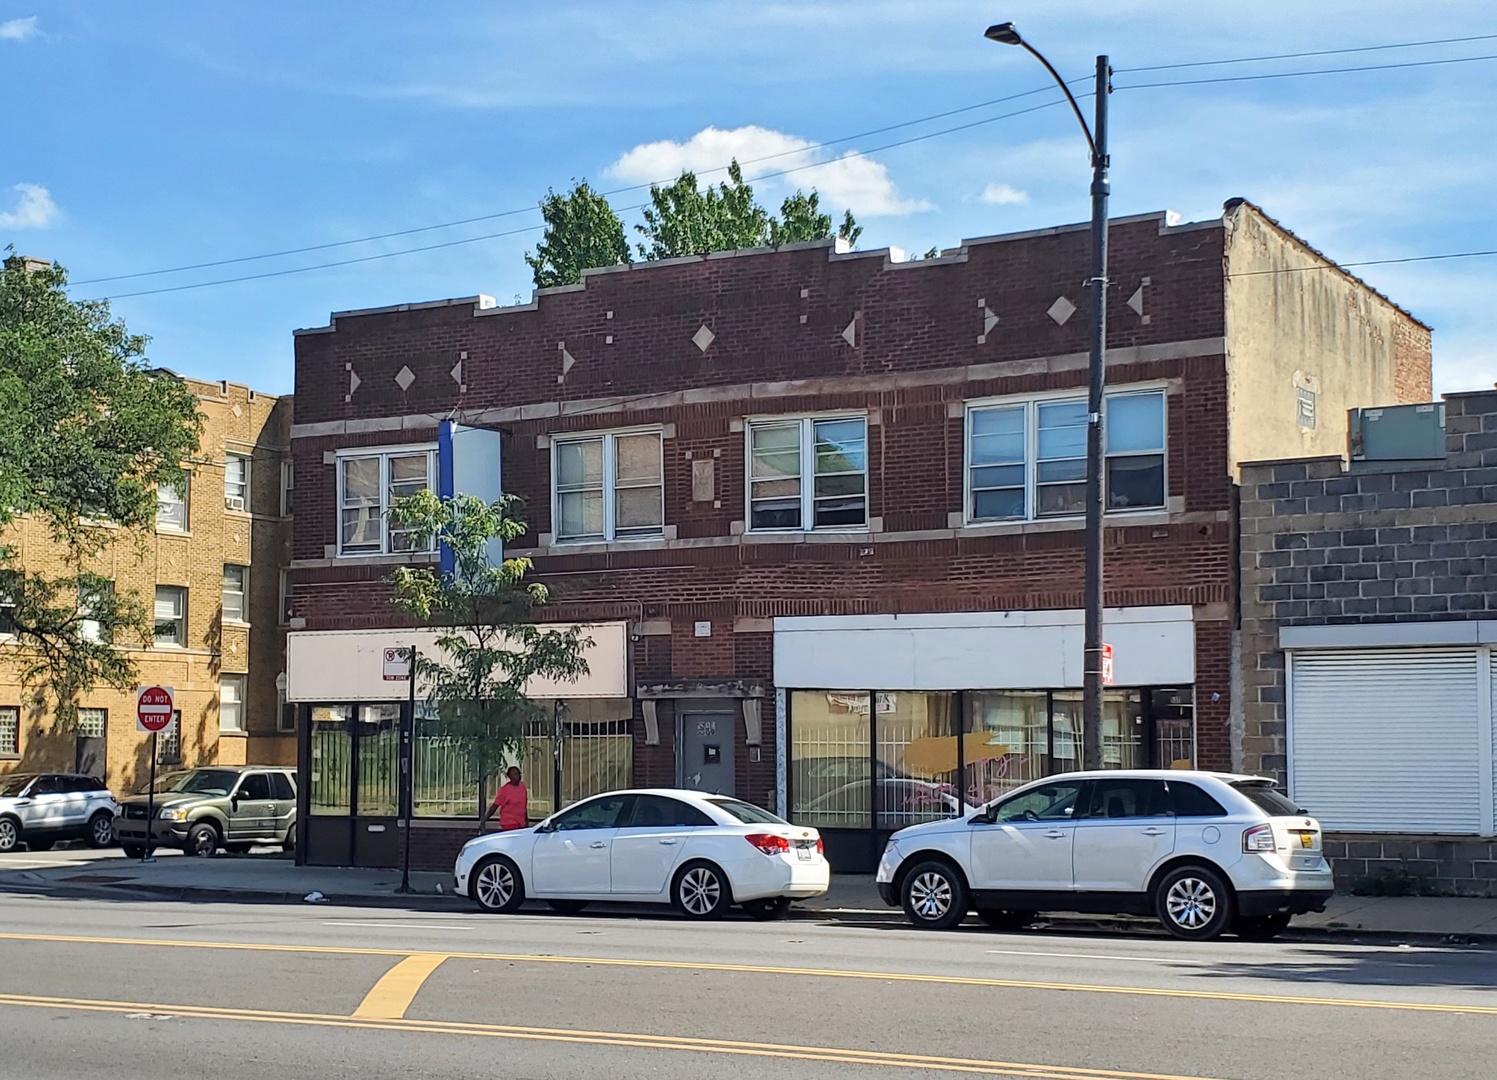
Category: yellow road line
<point>398,987</point>
<point>765,969</point>
<point>632,1040</point>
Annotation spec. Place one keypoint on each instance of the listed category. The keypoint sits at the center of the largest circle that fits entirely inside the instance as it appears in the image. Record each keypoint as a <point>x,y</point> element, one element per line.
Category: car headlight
<point>173,813</point>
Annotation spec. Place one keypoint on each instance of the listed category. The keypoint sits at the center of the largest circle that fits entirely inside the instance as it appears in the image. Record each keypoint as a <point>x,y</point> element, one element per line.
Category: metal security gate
<point>1389,740</point>
<point>592,756</point>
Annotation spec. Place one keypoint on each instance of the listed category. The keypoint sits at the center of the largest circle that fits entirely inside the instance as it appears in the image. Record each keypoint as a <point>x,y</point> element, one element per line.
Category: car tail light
<point>820,846</point>
<point>1258,839</point>
<point>768,843</point>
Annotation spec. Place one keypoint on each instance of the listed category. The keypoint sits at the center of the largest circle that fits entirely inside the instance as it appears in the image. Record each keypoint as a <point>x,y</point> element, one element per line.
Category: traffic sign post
<point>154,706</point>
<point>400,663</point>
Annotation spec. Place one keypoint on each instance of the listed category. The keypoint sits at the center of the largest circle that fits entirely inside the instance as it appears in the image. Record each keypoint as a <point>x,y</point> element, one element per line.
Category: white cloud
<point>853,181</point>
<point>1004,195</point>
<point>34,210</point>
<point>18,29</point>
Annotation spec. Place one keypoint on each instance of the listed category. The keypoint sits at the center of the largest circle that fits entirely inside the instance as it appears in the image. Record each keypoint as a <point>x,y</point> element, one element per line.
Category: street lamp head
<point>1004,34</point>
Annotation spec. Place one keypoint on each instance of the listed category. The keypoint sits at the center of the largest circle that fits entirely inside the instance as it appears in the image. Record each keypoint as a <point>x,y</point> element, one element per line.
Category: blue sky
<point>139,137</point>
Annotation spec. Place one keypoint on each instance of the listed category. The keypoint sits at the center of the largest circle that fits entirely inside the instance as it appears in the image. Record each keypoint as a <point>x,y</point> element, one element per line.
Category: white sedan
<point>702,853</point>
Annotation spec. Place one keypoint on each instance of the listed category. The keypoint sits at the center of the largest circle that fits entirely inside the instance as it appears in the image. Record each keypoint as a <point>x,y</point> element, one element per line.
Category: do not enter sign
<point>153,708</point>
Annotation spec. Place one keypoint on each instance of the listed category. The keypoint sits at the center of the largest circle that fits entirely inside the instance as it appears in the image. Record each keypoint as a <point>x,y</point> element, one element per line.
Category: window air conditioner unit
<point>234,502</point>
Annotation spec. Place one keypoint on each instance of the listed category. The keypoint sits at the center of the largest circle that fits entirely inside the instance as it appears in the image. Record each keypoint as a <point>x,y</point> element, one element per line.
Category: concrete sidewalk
<point>271,877</point>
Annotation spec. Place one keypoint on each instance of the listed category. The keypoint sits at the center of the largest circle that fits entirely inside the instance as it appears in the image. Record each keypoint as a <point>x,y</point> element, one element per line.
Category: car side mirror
<point>980,819</point>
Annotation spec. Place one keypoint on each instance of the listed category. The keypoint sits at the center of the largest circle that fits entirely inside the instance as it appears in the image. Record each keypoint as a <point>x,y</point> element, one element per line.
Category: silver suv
<point>1203,852</point>
<point>39,809</point>
<point>217,806</point>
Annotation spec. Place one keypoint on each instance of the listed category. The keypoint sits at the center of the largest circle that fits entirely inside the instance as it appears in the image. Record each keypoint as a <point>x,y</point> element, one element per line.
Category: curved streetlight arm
<point>1091,142</point>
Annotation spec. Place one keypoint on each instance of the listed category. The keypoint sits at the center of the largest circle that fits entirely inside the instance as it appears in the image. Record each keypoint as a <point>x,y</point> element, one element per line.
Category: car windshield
<point>748,813</point>
<point>12,786</point>
<point>197,782</point>
<point>1268,798</point>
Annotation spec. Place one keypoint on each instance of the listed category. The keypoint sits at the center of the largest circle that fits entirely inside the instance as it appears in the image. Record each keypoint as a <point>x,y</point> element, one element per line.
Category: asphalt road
<point>122,988</point>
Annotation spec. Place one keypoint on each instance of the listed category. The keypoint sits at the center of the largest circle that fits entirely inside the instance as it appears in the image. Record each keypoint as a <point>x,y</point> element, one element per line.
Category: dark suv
<point>39,809</point>
<point>216,806</point>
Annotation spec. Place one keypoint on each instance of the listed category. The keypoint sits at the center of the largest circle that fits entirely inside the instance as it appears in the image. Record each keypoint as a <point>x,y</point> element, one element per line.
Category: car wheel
<point>40,845</point>
<point>134,851</point>
<point>1193,903</point>
<point>1261,927</point>
<point>10,834</point>
<point>770,909</point>
<point>934,895</point>
<point>701,891</point>
<point>1001,919</point>
<point>567,907</point>
<point>202,840</point>
<point>289,844</point>
<point>497,885</point>
<point>101,830</point>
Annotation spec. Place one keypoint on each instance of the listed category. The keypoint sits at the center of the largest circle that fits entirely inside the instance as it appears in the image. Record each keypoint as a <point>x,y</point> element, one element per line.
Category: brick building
<point>210,568</point>
<point>1368,608</point>
<point>832,504</point>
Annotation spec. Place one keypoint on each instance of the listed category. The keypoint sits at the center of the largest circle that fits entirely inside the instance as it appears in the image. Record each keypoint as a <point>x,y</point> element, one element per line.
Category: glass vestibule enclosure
<point>862,764</point>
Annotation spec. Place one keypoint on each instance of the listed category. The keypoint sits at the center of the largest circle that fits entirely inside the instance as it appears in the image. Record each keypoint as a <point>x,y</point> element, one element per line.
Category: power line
<point>533,208</point>
<point>534,228</point>
<point>1298,74</point>
<point>1316,52</point>
<point>1367,262</point>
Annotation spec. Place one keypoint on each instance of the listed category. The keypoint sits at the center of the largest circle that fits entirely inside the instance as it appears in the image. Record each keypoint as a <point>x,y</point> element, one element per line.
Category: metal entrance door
<point>706,760</point>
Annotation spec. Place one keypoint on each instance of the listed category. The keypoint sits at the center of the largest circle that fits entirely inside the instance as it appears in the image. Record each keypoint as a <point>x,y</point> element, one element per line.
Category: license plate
<point>1306,839</point>
<point>803,853</point>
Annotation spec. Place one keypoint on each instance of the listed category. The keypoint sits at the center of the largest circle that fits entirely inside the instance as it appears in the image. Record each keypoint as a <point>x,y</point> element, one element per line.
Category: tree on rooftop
<point>582,232</point>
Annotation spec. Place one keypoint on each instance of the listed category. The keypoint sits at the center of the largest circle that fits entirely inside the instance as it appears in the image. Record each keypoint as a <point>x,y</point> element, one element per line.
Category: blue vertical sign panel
<point>468,464</point>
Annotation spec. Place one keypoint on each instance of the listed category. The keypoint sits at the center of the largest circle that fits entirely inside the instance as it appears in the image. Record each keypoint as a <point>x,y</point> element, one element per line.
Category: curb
<point>851,916</point>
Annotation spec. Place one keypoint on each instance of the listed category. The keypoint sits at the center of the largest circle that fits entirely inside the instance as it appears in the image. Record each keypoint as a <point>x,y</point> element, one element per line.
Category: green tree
<point>88,431</point>
<point>684,219</point>
<point>582,232</point>
<point>488,647</point>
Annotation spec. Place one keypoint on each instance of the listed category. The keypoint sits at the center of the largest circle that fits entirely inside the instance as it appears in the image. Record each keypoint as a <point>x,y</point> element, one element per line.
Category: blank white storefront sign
<point>1032,650</point>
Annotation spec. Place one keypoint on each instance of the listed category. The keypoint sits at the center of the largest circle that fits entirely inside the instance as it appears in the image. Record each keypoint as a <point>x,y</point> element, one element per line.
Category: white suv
<point>1205,852</point>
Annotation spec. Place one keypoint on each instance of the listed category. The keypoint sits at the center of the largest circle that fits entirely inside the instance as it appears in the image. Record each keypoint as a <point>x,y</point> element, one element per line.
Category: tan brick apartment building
<point>827,507</point>
<point>211,569</point>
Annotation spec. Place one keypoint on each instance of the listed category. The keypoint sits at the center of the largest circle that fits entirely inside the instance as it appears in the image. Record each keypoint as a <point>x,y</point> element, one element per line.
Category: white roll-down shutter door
<point>1386,740</point>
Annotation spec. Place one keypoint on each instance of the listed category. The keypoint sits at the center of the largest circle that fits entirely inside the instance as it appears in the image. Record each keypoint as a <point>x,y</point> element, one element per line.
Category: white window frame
<point>242,619</point>
<point>807,422</point>
<point>183,493</point>
<point>283,598</point>
<point>180,619</point>
<point>384,454</point>
<point>89,629</point>
<point>8,603</point>
<point>238,491</point>
<point>288,484</point>
<point>610,478</point>
<point>1031,403</point>
<point>239,684</point>
<point>10,731</point>
<point>169,741</point>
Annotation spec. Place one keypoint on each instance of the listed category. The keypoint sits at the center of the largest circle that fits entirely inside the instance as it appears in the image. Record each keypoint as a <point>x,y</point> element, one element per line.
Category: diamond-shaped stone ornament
<point>1061,310</point>
<point>404,377</point>
<point>703,338</point>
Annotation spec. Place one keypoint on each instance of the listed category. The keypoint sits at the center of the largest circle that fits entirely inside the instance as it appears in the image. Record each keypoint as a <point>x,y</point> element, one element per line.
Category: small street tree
<point>88,432</point>
<point>488,647</point>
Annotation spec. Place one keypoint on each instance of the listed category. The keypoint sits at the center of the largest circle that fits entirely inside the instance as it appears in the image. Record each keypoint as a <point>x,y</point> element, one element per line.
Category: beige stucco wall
<point>1293,321</point>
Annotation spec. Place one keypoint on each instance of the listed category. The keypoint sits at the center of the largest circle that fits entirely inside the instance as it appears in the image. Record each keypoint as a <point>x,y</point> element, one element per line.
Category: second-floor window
<point>92,599</point>
<point>237,482</point>
<point>1026,459</point>
<point>171,505</point>
<point>608,487</point>
<point>288,482</point>
<point>236,582</point>
<point>171,615</point>
<point>368,485</point>
<point>808,473</point>
<point>231,703</point>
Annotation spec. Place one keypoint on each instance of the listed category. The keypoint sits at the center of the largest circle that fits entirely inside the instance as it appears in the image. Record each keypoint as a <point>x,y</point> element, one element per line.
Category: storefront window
<point>332,759</point>
<point>917,760</point>
<point>1007,743</point>
<point>379,758</point>
<point>831,737</point>
<point>1122,730</point>
<point>597,751</point>
<point>1174,715</point>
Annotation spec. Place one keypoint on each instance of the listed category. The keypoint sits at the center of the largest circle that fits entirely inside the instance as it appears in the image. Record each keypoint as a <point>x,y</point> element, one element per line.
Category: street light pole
<point>1096,139</point>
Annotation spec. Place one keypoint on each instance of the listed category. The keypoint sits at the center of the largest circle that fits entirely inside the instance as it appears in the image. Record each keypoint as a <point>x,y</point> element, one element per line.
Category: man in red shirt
<point>511,803</point>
